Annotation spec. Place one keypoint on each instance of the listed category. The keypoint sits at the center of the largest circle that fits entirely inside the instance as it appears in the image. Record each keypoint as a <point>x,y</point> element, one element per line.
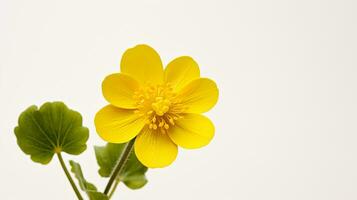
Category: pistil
<point>159,104</point>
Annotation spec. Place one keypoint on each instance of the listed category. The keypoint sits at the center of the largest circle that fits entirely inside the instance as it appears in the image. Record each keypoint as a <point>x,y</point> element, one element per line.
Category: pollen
<point>160,105</point>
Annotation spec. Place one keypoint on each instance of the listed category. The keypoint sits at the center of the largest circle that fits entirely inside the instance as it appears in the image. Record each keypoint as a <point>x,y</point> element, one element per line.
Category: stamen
<point>166,126</point>
<point>160,105</point>
<point>171,120</point>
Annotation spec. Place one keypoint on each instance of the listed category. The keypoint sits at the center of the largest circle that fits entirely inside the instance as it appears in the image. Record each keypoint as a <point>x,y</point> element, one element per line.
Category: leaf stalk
<point>63,165</point>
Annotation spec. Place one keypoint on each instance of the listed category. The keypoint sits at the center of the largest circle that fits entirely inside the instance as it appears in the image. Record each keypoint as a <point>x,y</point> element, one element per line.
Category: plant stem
<point>79,196</point>
<point>120,164</point>
<point>114,188</point>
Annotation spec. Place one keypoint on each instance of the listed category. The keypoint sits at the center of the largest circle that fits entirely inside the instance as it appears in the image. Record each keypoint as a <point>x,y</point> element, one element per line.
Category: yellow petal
<point>143,63</point>
<point>155,149</point>
<point>192,131</point>
<point>199,95</point>
<point>181,71</point>
<point>118,89</point>
<point>118,125</point>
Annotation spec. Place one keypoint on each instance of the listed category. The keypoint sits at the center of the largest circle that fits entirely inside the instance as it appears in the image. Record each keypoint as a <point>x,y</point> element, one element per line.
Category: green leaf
<point>51,129</point>
<point>87,187</point>
<point>133,175</point>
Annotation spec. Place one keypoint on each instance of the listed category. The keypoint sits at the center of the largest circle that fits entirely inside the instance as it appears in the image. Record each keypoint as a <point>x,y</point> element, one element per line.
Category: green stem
<point>120,164</point>
<point>114,188</point>
<point>79,196</point>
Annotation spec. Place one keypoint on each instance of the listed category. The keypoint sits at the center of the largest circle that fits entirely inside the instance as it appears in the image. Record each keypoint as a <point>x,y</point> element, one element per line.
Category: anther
<point>166,126</point>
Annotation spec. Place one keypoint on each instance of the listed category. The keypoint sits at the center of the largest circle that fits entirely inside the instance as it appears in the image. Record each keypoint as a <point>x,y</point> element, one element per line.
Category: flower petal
<point>118,90</point>
<point>199,95</point>
<point>117,125</point>
<point>192,131</point>
<point>143,63</point>
<point>181,71</point>
<point>155,149</point>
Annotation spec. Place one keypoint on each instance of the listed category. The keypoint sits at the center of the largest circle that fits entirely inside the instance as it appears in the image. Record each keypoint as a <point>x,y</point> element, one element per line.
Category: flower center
<point>159,105</point>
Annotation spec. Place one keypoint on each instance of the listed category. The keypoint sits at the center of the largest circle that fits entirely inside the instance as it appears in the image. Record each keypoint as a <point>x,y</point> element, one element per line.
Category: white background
<point>286,70</point>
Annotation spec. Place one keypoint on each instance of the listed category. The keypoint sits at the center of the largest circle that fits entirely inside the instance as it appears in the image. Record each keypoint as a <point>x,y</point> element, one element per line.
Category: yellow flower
<point>160,108</point>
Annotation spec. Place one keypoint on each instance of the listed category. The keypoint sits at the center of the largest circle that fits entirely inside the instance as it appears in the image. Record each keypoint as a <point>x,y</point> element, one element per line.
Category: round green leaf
<point>51,129</point>
<point>133,175</point>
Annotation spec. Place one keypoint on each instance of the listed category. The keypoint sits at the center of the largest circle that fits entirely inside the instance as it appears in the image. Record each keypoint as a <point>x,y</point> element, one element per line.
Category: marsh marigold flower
<point>161,108</point>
